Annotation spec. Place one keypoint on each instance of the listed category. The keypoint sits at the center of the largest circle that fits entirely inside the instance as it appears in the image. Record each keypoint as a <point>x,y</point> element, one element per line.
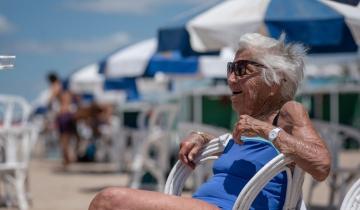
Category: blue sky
<point>66,35</point>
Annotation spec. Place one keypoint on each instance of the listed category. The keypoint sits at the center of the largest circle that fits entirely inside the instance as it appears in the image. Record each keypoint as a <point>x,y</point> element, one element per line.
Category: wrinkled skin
<point>257,105</point>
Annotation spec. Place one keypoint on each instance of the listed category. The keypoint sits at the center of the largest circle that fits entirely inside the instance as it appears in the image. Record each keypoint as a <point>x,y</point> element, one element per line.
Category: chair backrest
<point>352,198</point>
<point>16,143</point>
<point>14,110</point>
<point>163,116</point>
<point>181,172</point>
<point>334,136</point>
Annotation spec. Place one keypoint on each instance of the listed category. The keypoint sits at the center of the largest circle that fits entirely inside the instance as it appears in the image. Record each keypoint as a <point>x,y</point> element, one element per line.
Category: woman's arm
<point>300,141</point>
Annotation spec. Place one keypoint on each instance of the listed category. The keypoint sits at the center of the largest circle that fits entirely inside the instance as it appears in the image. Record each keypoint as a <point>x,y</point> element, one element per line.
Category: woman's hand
<point>249,126</point>
<point>191,146</point>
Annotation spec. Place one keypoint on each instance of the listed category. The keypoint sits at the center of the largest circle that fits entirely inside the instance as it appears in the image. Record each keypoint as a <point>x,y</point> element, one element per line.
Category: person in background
<point>65,106</point>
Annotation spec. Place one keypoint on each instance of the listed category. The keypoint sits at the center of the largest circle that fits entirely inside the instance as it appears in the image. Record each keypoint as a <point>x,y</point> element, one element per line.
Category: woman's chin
<point>242,111</point>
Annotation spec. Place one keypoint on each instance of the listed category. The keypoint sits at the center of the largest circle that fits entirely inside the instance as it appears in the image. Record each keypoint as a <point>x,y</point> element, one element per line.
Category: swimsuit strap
<point>275,121</point>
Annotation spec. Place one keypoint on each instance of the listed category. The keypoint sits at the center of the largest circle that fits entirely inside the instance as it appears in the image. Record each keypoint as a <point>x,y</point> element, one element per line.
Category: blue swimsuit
<point>235,167</point>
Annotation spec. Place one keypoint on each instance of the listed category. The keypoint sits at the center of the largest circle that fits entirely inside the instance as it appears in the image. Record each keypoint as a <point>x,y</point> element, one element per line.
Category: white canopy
<point>87,80</point>
<point>223,24</point>
<point>131,61</point>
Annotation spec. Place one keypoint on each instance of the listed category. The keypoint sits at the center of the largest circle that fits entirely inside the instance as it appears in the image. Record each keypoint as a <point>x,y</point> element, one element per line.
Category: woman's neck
<point>268,117</point>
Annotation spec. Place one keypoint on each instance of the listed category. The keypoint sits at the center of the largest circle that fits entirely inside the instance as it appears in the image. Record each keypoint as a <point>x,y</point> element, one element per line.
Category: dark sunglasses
<point>239,67</point>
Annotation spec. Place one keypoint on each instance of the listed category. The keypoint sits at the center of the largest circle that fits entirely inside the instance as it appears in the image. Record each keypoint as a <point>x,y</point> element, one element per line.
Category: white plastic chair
<point>110,146</point>
<point>352,198</point>
<point>17,145</point>
<point>132,134</point>
<point>17,137</point>
<point>340,177</point>
<point>181,172</point>
<point>155,137</point>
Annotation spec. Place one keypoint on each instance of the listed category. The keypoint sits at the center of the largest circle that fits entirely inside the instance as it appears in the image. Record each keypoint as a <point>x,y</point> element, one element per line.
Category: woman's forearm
<point>310,154</point>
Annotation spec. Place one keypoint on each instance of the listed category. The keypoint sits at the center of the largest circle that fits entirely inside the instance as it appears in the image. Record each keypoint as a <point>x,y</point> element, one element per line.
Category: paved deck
<point>73,190</point>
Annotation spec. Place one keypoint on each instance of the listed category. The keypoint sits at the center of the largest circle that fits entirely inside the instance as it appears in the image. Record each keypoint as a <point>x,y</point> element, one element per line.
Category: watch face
<point>272,135</point>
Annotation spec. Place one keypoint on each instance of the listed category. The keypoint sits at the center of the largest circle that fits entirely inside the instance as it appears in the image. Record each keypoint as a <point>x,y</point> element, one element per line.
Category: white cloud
<point>93,45</point>
<point>127,6</point>
<point>5,25</point>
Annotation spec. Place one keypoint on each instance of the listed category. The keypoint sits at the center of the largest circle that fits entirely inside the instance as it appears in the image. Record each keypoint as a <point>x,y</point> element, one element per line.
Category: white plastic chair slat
<point>288,188</point>
<point>253,187</point>
<point>352,198</point>
<point>180,170</point>
<point>261,184</point>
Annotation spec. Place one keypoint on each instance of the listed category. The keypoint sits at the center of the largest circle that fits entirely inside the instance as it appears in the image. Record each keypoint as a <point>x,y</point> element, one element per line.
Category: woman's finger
<point>237,133</point>
<point>185,148</point>
<point>194,151</point>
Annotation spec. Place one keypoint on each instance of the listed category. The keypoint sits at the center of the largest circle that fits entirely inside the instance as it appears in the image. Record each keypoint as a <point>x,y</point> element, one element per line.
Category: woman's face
<point>249,91</point>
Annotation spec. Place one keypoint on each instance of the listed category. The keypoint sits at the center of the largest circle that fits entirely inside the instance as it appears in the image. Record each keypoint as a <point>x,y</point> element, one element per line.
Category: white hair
<point>282,61</point>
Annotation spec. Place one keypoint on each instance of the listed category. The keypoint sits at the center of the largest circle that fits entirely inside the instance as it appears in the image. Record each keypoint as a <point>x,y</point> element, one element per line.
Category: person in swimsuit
<point>263,79</point>
<point>65,105</point>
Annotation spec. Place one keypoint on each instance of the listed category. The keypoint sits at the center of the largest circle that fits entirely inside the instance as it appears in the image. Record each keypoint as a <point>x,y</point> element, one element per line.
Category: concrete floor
<point>52,189</point>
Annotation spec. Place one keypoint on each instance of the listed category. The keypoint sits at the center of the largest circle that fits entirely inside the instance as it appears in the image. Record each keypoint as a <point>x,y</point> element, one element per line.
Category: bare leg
<point>77,144</point>
<point>131,199</point>
<point>64,141</point>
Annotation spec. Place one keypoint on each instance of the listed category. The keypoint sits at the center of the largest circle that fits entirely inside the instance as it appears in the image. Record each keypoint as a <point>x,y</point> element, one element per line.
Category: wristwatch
<point>273,134</point>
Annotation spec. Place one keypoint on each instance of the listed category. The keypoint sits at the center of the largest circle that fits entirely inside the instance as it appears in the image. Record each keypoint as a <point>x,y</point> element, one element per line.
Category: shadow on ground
<point>321,208</point>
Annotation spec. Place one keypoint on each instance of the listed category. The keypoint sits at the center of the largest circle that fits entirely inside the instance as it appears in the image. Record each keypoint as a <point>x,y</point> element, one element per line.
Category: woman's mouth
<point>236,92</point>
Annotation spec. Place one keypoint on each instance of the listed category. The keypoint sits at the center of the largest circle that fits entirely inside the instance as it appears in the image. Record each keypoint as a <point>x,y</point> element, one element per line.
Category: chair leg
<point>311,190</point>
<point>20,190</point>
<point>333,189</point>
<point>137,171</point>
<point>8,185</point>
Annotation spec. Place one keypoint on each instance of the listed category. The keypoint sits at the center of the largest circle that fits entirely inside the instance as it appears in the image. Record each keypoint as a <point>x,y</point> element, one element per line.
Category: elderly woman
<point>263,78</point>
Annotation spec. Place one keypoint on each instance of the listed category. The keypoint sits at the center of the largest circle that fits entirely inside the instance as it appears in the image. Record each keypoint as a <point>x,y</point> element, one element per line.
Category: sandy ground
<point>52,189</point>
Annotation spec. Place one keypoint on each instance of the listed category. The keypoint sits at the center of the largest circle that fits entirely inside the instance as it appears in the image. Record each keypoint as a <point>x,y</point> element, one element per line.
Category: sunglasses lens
<point>239,69</point>
<point>230,67</point>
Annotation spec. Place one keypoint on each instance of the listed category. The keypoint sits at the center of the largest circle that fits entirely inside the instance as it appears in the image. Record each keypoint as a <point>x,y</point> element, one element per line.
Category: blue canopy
<point>312,23</point>
<point>126,84</point>
<point>323,26</point>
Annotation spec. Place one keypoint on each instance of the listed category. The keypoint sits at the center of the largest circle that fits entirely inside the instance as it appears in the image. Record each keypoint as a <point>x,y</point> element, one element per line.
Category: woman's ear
<point>274,89</point>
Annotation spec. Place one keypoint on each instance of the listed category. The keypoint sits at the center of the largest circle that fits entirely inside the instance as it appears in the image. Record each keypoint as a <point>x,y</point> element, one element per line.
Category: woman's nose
<point>232,78</point>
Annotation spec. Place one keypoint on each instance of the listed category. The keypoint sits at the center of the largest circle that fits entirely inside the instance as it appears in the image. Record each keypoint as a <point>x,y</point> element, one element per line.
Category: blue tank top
<point>235,167</point>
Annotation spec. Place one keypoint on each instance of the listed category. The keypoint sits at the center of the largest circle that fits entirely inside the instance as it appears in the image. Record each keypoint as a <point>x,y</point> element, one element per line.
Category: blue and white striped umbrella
<point>324,26</point>
<point>86,80</point>
<point>144,60</point>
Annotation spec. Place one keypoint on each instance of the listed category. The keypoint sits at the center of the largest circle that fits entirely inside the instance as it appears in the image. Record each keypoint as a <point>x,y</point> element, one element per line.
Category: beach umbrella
<point>89,83</point>
<point>324,26</point>
<point>87,80</point>
<point>144,59</point>
<point>170,53</point>
<point>173,63</point>
<point>130,61</point>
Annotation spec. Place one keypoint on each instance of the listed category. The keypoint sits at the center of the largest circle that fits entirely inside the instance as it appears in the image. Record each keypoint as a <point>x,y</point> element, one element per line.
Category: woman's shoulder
<point>294,113</point>
<point>293,106</point>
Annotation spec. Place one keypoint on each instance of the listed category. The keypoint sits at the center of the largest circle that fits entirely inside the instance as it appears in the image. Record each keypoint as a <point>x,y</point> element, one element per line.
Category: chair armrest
<point>261,178</point>
<point>180,172</point>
